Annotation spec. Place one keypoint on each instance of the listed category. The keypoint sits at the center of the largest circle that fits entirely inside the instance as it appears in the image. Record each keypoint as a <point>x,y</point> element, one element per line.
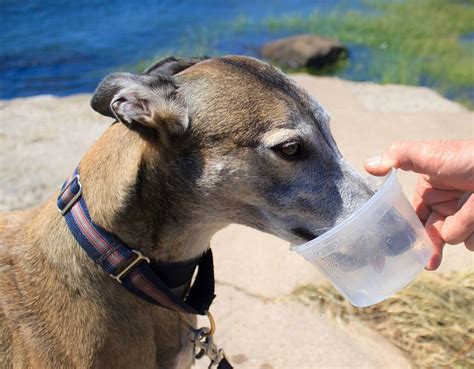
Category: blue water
<point>66,47</point>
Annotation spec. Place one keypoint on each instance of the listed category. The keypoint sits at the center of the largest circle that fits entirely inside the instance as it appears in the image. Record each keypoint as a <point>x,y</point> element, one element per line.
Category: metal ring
<point>212,323</point>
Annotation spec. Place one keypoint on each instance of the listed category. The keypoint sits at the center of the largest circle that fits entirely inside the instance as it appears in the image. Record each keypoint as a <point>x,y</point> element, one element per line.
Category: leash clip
<point>76,196</point>
<point>204,345</point>
<point>140,257</point>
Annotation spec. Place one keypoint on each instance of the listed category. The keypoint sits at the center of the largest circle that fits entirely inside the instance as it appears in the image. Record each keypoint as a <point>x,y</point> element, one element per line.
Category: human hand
<point>443,199</point>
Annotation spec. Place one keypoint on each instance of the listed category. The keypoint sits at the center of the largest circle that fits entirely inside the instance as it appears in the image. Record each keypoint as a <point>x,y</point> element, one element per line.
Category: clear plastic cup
<point>376,251</point>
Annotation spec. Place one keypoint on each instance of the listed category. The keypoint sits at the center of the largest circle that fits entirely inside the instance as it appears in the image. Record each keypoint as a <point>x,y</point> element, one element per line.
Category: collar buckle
<point>140,257</point>
<point>73,200</point>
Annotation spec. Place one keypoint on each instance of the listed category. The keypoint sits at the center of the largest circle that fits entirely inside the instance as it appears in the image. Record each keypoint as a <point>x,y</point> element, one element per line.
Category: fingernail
<point>433,263</point>
<point>374,161</point>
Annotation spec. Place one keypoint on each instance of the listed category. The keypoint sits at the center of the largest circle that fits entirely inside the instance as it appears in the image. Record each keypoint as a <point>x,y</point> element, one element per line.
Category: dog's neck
<point>126,190</point>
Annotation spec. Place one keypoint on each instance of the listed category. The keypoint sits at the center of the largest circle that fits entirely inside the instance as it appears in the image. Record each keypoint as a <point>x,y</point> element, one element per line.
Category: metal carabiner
<point>203,341</point>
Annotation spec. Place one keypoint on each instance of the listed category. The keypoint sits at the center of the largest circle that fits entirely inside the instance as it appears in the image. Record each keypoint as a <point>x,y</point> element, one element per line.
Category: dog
<point>196,145</point>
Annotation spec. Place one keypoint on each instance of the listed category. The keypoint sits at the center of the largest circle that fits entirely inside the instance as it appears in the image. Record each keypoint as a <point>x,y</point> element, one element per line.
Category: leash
<point>148,279</point>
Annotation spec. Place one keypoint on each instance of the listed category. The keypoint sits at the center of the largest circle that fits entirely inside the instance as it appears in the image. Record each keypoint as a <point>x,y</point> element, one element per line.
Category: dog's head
<point>239,142</point>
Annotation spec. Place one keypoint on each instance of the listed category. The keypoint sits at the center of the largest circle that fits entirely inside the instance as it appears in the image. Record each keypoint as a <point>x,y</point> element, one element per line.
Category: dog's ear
<point>151,100</point>
<point>171,66</point>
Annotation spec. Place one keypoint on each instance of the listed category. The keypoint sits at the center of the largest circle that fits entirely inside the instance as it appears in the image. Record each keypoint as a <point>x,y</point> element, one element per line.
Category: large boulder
<point>304,51</point>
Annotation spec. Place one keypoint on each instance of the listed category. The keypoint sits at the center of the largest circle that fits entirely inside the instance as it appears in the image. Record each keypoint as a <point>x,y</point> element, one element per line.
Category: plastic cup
<point>376,251</point>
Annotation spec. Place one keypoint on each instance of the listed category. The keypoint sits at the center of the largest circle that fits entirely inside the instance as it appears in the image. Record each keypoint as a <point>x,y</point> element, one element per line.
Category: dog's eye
<point>289,150</point>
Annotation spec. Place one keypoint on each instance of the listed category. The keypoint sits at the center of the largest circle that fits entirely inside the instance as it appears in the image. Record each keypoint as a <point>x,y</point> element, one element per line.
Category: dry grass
<point>432,320</point>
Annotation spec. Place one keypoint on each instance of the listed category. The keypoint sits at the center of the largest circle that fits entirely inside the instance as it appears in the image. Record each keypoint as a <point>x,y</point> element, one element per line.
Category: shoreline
<point>368,87</point>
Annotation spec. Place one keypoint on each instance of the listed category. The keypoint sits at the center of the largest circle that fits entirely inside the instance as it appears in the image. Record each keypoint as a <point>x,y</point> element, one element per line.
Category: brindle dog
<point>199,144</point>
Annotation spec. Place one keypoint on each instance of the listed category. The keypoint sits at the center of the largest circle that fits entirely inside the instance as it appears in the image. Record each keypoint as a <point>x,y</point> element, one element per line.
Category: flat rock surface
<point>42,139</point>
<point>286,334</point>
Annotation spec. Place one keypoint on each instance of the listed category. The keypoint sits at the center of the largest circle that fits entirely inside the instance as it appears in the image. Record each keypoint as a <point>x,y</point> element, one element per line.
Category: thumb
<point>379,165</point>
<point>448,162</point>
<point>398,155</point>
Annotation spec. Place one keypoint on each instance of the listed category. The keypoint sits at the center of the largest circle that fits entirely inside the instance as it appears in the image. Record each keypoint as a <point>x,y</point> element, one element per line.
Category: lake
<point>66,47</point>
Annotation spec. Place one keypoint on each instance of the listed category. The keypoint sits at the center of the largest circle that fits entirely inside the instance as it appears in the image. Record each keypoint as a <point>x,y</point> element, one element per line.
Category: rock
<point>305,51</point>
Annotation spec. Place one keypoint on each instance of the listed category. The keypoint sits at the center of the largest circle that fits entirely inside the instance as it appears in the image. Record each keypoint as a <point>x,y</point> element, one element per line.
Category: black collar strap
<point>175,274</point>
<point>150,280</point>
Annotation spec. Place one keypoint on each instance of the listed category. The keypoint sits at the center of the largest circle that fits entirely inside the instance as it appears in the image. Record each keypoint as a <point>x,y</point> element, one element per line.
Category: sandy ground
<point>42,138</point>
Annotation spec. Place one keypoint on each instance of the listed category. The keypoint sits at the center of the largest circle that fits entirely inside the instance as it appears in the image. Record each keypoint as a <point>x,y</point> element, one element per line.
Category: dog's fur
<point>198,147</point>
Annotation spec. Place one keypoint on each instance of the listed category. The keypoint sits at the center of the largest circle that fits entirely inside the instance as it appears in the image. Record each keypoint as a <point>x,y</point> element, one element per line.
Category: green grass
<point>432,320</point>
<point>411,42</point>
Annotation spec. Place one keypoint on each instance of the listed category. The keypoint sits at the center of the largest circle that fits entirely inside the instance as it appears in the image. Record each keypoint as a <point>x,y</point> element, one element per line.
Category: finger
<point>412,156</point>
<point>458,227</point>
<point>446,162</point>
<point>446,208</point>
<point>469,242</point>
<point>433,227</point>
<point>431,196</point>
<point>426,198</point>
<point>421,209</point>
<point>379,165</point>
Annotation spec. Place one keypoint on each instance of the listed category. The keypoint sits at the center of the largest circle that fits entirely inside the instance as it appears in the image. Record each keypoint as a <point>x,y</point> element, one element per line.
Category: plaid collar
<point>150,280</point>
